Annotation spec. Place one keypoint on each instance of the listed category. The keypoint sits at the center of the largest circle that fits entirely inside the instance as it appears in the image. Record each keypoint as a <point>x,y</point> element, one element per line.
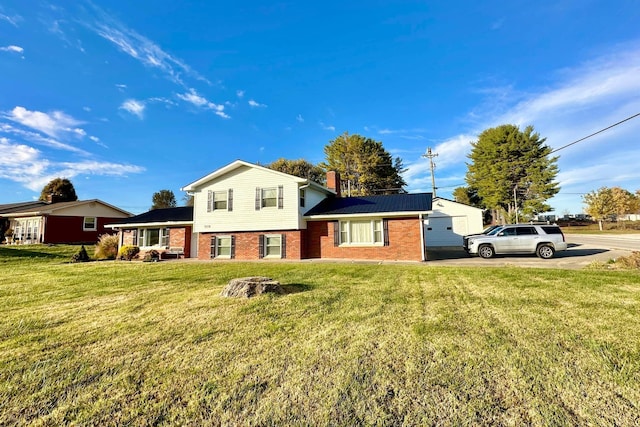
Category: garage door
<point>445,231</point>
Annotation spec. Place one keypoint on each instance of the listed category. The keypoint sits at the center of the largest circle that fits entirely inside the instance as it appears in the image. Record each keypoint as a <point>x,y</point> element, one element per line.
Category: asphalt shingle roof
<point>21,207</point>
<point>416,202</point>
<point>179,214</point>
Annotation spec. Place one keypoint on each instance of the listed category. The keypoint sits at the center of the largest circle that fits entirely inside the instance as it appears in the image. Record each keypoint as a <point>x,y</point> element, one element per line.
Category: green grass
<point>132,343</point>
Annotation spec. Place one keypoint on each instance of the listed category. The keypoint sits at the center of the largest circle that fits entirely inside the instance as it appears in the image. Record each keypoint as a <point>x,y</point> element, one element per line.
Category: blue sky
<point>126,98</point>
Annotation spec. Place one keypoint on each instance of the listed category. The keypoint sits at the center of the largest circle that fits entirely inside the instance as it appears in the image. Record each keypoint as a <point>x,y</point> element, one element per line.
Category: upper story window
<point>220,200</point>
<point>302,197</point>
<point>90,223</point>
<point>270,197</point>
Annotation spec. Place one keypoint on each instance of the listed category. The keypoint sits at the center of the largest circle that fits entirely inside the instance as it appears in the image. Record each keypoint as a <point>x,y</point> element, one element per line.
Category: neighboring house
<point>169,231</point>
<point>76,222</point>
<point>245,211</point>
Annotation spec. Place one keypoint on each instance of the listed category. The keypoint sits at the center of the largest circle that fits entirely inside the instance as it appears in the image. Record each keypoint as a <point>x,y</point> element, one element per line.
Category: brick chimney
<point>53,198</point>
<point>333,182</point>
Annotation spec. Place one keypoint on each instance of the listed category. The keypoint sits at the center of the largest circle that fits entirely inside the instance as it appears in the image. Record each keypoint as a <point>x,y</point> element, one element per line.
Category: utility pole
<point>430,156</point>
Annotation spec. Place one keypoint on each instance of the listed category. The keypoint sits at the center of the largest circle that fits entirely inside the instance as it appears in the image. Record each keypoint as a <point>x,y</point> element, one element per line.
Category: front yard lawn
<point>113,343</point>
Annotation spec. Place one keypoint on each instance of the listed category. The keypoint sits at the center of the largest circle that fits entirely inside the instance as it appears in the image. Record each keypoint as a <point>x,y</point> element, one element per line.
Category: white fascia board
<point>367,215</point>
<point>149,224</point>
<point>231,166</point>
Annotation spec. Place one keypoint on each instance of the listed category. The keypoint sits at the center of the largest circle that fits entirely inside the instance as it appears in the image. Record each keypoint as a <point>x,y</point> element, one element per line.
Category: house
<point>81,221</point>
<point>245,211</point>
<point>169,231</point>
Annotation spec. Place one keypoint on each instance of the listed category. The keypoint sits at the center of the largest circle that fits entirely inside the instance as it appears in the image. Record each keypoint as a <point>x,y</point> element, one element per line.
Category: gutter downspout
<point>423,248</point>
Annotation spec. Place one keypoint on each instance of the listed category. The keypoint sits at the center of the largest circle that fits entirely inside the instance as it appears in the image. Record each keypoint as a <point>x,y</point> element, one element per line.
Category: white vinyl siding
<point>246,214</point>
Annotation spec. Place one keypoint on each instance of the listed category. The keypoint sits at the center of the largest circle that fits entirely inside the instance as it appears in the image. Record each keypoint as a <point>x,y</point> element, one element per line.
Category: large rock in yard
<point>248,287</point>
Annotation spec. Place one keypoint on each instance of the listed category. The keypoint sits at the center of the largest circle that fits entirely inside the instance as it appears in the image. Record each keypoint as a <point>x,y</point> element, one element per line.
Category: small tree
<point>600,204</point>
<point>164,199</point>
<point>80,256</point>
<point>61,188</point>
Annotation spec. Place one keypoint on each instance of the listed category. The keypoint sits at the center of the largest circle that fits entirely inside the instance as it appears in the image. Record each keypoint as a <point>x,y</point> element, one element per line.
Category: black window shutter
<point>213,247</point>
<point>283,242</point>
<point>258,198</point>
<point>261,246</point>
<point>280,196</point>
<point>233,246</point>
<point>336,233</point>
<point>168,234</point>
<point>230,200</point>
<point>209,201</point>
<point>385,231</point>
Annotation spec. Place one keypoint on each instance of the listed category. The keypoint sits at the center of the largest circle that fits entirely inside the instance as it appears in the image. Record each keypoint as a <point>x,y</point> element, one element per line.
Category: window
<point>302,196</point>
<point>522,231</point>
<point>270,197</point>
<point>90,223</point>
<point>223,247</point>
<point>152,237</point>
<point>361,232</point>
<point>220,200</point>
<point>272,246</point>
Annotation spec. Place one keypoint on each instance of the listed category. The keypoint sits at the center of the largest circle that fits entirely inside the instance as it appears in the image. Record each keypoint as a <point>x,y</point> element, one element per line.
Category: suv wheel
<point>545,251</point>
<point>486,251</point>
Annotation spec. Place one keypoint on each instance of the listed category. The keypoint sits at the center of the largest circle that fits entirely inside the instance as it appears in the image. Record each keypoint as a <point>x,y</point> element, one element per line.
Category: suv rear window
<point>552,230</point>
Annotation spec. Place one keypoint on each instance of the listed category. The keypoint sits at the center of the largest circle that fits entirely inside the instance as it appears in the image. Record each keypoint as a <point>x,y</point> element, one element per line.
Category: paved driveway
<point>583,250</point>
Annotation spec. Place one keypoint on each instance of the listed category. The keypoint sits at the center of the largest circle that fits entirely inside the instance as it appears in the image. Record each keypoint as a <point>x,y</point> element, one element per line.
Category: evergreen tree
<point>164,199</point>
<point>512,171</point>
<point>61,188</point>
<point>365,167</point>
<point>300,168</point>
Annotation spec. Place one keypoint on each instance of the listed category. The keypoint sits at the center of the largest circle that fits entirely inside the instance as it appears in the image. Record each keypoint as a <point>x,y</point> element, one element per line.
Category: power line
<point>595,133</point>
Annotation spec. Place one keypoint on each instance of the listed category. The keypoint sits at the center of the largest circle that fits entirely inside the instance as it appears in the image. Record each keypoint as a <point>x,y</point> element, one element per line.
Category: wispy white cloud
<point>139,47</point>
<point>38,138</point>
<point>200,101</point>
<point>13,20</point>
<point>54,124</point>
<point>135,107</point>
<point>299,118</point>
<point>239,93</point>
<point>254,104</point>
<point>327,127</point>
<point>12,48</point>
<point>121,87</point>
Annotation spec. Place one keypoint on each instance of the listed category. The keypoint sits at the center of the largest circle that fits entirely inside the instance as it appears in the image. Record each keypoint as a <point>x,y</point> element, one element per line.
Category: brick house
<point>81,221</point>
<point>247,212</point>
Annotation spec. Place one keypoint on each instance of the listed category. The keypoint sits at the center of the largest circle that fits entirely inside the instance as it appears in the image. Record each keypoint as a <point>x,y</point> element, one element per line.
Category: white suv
<point>542,240</point>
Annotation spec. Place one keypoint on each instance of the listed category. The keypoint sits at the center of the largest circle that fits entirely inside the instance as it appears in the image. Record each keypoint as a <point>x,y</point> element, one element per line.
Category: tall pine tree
<point>512,171</point>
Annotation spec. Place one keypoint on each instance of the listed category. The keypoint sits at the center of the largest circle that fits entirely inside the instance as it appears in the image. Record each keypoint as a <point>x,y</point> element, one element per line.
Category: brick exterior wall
<point>404,242</point>
<point>247,244</point>
<point>179,237</point>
